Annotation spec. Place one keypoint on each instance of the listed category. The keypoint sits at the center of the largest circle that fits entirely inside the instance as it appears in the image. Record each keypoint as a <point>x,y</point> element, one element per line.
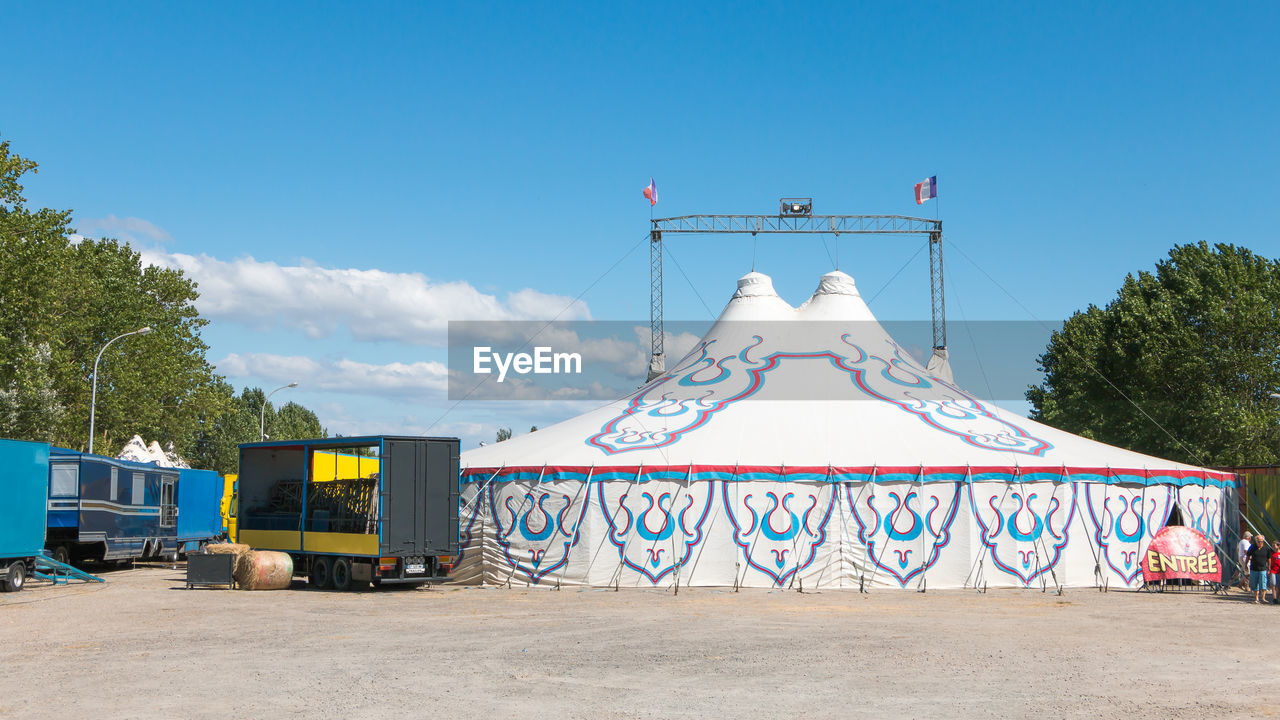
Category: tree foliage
<point>1181,364</point>
<point>60,304</point>
<point>30,400</point>
<point>217,445</point>
<point>62,301</point>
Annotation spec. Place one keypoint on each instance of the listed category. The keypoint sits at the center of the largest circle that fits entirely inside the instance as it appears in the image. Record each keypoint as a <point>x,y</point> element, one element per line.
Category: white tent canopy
<point>804,445</point>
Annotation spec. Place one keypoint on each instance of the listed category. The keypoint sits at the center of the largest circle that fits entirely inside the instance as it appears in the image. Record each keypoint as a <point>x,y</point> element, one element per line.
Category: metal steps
<point>60,573</point>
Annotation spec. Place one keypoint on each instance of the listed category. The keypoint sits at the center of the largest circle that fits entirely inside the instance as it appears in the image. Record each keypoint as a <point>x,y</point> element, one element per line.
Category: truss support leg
<point>935,292</point>
<point>657,358</point>
<point>939,364</point>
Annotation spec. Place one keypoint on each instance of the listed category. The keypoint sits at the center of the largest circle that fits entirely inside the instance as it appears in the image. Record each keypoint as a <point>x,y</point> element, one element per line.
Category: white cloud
<point>418,379</point>
<point>418,388</point>
<point>339,418</point>
<point>478,424</point>
<point>372,304</point>
<point>130,229</point>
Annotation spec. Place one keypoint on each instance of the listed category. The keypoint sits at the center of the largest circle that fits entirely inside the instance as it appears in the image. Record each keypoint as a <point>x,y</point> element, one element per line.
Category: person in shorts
<point>1274,571</point>
<point>1259,565</point>
<point>1242,556</point>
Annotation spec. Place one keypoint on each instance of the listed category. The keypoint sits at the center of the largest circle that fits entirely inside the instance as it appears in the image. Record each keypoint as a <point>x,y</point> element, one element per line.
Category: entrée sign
<point>1180,552</point>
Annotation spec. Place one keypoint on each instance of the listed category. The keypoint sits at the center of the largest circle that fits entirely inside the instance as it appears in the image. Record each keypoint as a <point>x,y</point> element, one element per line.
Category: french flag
<point>926,189</point>
<point>651,192</point>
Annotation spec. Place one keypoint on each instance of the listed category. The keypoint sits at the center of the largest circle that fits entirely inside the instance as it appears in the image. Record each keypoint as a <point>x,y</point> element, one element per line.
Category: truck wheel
<point>341,574</point>
<point>15,577</point>
<point>62,554</point>
<point>321,573</point>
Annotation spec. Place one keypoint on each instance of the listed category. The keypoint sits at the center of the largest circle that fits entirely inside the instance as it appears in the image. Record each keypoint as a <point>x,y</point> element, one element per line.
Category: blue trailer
<point>199,508</point>
<point>24,475</point>
<point>101,508</point>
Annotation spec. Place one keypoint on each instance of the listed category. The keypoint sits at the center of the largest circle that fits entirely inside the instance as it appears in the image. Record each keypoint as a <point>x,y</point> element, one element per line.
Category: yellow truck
<point>228,506</point>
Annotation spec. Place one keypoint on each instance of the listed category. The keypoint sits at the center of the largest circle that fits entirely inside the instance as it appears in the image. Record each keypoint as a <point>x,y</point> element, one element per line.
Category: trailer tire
<point>62,554</point>
<point>321,573</point>
<point>341,574</point>
<point>15,578</point>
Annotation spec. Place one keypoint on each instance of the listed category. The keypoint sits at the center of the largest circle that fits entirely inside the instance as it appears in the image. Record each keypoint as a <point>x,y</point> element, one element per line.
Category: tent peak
<point>836,283</point>
<point>755,284</point>
<point>836,298</point>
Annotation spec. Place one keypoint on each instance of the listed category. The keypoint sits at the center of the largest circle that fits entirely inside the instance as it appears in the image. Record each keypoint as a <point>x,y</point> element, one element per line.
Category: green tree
<point>33,249</point>
<point>156,385</point>
<point>29,406</point>
<point>504,434</point>
<point>293,422</point>
<point>61,302</point>
<point>217,444</point>
<point>1181,364</point>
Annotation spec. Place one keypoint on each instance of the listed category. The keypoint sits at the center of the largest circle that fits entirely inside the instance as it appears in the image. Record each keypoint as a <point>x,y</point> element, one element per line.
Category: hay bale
<point>265,570</point>
<point>257,569</point>
<point>242,553</point>
<point>227,548</point>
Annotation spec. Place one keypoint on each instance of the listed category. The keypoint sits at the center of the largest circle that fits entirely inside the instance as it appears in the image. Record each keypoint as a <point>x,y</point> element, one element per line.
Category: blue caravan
<point>199,508</point>
<point>24,474</point>
<point>100,508</point>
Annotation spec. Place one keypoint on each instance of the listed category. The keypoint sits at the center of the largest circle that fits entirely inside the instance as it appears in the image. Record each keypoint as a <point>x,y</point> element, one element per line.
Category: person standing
<point>1274,573</point>
<point>1259,565</point>
<point>1242,556</point>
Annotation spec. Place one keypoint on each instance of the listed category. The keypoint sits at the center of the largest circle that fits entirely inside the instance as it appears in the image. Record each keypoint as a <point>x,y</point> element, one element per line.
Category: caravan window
<point>139,486</point>
<point>115,485</point>
<point>64,480</point>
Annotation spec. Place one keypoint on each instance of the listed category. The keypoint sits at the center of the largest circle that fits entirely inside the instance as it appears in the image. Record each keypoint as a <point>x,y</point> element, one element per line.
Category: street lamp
<point>262,417</point>
<point>93,398</point>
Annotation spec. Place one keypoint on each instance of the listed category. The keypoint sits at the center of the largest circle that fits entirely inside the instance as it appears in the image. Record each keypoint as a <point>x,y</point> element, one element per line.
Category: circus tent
<point>803,447</point>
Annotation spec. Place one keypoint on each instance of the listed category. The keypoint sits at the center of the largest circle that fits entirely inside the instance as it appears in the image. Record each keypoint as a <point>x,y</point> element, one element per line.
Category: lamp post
<point>93,398</point>
<point>262,417</point>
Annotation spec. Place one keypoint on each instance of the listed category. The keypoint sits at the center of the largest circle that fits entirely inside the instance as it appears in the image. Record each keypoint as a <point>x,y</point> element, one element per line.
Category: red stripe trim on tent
<point>866,469</point>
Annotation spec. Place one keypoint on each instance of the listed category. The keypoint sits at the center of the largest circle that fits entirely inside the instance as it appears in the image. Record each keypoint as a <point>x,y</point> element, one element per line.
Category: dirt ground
<point>142,645</point>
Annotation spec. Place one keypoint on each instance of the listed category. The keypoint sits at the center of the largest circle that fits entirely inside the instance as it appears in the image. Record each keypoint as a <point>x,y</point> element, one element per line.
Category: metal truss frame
<point>803,224</point>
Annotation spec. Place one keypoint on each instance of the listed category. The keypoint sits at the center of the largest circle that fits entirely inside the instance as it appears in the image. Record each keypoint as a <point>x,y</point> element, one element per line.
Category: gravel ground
<point>143,646</point>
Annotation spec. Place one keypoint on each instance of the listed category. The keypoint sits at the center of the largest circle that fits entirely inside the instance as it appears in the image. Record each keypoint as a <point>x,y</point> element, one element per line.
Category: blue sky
<point>466,152</point>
